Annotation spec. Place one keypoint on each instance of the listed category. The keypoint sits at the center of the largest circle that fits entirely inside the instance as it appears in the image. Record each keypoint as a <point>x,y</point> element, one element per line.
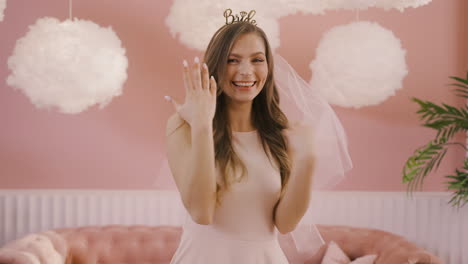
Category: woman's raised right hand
<point>200,95</point>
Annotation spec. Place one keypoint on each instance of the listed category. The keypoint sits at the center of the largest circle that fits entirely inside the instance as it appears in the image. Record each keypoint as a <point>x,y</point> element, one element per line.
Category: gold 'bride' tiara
<point>244,16</point>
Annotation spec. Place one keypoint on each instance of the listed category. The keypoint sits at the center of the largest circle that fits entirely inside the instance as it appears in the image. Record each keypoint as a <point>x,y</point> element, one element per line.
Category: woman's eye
<point>258,60</point>
<point>232,60</point>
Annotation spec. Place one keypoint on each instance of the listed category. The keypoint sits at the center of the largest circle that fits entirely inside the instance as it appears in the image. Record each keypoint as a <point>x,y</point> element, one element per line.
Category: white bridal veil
<point>300,102</point>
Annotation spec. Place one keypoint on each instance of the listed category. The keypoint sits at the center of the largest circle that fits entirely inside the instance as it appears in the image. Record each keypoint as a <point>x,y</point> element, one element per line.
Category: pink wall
<point>121,145</point>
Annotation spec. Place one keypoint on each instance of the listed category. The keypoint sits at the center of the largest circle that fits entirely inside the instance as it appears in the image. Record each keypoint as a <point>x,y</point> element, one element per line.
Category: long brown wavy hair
<point>266,114</point>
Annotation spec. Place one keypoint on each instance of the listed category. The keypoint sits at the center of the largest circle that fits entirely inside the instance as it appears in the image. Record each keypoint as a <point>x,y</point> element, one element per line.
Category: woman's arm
<point>191,148</point>
<point>296,198</point>
<point>191,159</point>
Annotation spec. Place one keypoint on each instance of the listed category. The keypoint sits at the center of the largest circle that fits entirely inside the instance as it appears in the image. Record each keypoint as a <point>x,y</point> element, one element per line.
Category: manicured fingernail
<point>197,60</point>
<point>168,98</point>
<point>212,78</point>
<point>185,63</point>
<point>205,66</point>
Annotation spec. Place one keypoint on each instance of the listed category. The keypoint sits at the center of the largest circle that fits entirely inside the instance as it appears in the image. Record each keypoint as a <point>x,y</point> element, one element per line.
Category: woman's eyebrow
<point>252,55</point>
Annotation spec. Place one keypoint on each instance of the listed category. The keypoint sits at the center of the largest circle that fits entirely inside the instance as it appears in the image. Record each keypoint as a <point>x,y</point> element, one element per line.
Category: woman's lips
<point>243,86</point>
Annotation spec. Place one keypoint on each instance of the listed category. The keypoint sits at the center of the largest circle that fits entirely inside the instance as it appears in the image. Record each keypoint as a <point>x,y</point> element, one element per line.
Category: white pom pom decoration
<point>291,7</point>
<point>196,21</point>
<point>401,4</point>
<point>70,65</point>
<point>320,6</point>
<point>359,64</point>
<point>2,9</point>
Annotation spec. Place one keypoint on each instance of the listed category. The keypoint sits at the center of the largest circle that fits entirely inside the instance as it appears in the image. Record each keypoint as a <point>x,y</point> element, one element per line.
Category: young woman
<point>243,172</point>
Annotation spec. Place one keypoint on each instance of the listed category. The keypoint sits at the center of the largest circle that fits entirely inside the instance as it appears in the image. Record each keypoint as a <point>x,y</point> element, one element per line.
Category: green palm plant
<point>448,121</point>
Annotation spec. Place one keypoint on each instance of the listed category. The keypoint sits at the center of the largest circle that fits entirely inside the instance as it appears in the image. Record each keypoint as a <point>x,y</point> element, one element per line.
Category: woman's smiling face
<point>246,70</point>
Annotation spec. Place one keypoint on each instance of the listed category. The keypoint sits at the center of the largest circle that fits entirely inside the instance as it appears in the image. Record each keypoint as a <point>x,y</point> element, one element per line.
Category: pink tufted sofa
<point>152,245</point>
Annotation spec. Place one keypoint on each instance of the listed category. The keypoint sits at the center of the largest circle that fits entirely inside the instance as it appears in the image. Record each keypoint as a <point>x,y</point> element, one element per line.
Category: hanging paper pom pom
<point>2,9</point>
<point>291,7</point>
<point>195,22</point>
<point>319,7</point>
<point>358,64</point>
<point>350,4</point>
<point>401,4</point>
<point>365,4</point>
<point>70,65</point>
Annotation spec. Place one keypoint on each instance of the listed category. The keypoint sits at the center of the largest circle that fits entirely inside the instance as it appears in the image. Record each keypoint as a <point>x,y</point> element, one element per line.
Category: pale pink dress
<point>243,230</point>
